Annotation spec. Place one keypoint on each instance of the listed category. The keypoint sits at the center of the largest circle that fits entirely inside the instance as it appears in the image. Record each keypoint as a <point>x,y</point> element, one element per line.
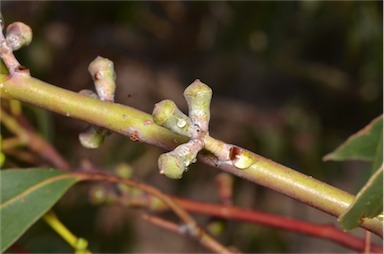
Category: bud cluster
<point>194,126</point>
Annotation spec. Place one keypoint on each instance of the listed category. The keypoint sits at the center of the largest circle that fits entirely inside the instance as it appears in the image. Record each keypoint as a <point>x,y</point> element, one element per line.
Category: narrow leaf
<point>367,204</point>
<point>25,196</point>
<point>378,159</point>
<point>361,145</point>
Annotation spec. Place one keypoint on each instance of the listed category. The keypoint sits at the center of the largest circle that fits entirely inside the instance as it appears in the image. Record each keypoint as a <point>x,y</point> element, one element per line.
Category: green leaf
<point>367,204</point>
<point>3,68</point>
<point>378,159</point>
<point>362,145</point>
<point>25,196</point>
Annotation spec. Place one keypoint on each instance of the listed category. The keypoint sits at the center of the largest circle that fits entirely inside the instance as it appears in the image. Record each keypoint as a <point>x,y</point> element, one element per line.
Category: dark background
<point>291,81</point>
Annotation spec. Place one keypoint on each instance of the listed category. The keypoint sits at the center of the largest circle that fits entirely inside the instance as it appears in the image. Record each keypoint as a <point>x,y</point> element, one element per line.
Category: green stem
<point>125,120</point>
<point>79,244</point>
<point>139,126</point>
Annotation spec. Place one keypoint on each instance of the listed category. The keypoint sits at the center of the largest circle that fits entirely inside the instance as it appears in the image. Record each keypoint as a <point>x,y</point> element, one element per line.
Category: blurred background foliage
<point>291,81</point>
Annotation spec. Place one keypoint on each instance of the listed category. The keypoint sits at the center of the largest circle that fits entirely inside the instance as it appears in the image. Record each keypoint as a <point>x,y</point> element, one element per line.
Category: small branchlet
<point>224,185</point>
<point>18,35</point>
<point>103,75</point>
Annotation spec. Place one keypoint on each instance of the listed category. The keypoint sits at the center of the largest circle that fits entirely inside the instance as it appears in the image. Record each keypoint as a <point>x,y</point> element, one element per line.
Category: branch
<point>328,232</point>
<point>223,211</point>
<point>139,126</point>
<point>190,227</point>
<point>229,212</point>
<point>32,140</point>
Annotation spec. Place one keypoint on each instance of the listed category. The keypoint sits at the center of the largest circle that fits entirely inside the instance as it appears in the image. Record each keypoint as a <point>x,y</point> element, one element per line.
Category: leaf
<point>367,204</point>
<point>361,145</point>
<point>366,144</point>
<point>25,196</point>
<point>378,159</point>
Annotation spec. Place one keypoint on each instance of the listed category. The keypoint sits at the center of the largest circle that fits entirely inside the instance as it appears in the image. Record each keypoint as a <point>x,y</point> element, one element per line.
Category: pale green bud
<point>171,165</point>
<point>18,35</point>
<point>167,114</point>
<point>198,96</point>
<point>98,194</point>
<point>92,137</point>
<point>176,162</point>
<point>104,77</point>
<point>124,170</point>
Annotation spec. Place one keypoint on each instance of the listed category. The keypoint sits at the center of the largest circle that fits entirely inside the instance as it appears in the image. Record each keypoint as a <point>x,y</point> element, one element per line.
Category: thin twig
<point>162,223</point>
<point>33,141</point>
<point>79,244</point>
<point>328,232</point>
<point>367,242</point>
<point>192,228</point>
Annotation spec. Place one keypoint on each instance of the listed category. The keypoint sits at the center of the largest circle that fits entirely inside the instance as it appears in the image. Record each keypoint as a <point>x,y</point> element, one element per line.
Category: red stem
<point>328,232</point>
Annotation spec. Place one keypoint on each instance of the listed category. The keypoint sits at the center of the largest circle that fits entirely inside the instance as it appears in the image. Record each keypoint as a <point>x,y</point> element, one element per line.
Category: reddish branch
<point>328,232</point>
<point>34,141</point>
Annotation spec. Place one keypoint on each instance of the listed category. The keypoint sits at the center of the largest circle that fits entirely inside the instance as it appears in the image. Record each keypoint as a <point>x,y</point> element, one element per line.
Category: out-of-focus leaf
<point>367,204</point>
<point>378,159</point>
<point>366,144</point>
<point>25,196</point>
<point>2,155</point>
<point>362,145</point>
<point>3,68</point>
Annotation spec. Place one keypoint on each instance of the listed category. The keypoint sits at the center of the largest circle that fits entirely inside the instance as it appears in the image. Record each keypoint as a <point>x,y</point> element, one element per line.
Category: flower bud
<point>18,35</point>
<point>198,96</point>
<point>171,165</point>
<point>104,77</point>
<point>176,162</point>
<point>167,114</point>
<point>92,137</point>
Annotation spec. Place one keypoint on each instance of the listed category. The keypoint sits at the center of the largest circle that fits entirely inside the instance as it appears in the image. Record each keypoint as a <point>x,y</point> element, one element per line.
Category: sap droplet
<point>241,158</point>
<point>181,123</point>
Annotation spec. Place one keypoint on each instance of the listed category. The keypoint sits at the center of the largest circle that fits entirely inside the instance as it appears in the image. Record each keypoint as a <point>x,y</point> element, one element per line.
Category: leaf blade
<point>25,196</point>
<point>367,204</point>
<point>360,146</point>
